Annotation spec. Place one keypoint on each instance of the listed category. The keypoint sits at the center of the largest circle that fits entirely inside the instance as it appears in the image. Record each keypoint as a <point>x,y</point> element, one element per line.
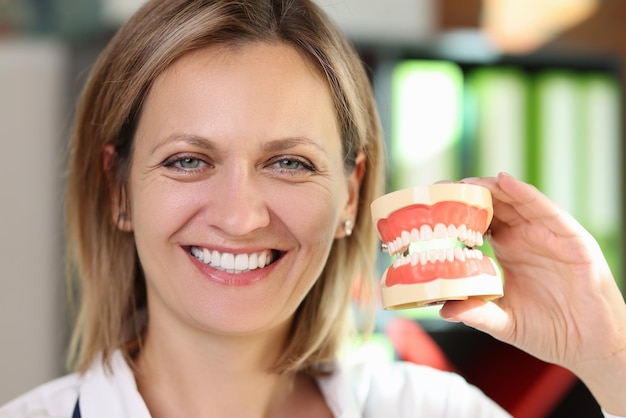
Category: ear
<point>120,209</point>
<point>351,207</point>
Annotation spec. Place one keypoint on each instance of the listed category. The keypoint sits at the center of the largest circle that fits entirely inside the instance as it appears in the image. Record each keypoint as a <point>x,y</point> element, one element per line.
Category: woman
<point>223,161</point>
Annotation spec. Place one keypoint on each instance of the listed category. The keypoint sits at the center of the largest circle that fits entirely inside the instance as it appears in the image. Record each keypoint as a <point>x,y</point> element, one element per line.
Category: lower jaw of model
<point>434,232</point>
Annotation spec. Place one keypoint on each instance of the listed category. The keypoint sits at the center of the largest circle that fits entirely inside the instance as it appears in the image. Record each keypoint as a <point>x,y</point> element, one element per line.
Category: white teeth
<point>438,255</point>
<point>462,231</point>
<point>253,261</point>
<point>459,254</point>
<point>432,255</point>
<point>263,260</point>
<point>426,233</point>
<point>406,238</point>
<point>197,252</point>
<point>441,254</point>
<point>241,262</point>
<point>467,236</point>
<point>429,245</point>
<point>472,238</point>
<point>440,231</point>
<point>232,263</point>
<point>450,254</point>
<point>227,262</point>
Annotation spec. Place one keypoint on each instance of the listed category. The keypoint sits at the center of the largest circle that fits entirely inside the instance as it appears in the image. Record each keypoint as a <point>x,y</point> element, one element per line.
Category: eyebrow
<point>194,140</point>
<point>283,144</point>
<point>276,145</point>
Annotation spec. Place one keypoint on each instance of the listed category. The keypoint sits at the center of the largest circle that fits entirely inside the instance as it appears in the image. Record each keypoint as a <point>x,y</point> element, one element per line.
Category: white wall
<point>363,20</point>
<point>32,107</point>
<point>388,21</point>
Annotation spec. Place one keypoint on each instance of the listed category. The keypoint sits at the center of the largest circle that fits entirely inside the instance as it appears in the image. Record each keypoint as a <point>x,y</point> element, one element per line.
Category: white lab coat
<point>353,390</point>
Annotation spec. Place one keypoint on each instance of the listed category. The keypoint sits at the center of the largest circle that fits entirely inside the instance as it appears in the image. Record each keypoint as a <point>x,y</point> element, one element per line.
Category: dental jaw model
<point>433,232</point>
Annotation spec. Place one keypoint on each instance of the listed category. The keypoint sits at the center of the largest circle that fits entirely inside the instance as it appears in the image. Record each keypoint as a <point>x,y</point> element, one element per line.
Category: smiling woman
<point>238,191</point>
<point>223,162</point>
<point>243,89</point>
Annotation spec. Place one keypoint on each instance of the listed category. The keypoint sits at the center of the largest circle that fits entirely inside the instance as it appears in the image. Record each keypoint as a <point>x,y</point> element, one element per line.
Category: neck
<point>187,372</point>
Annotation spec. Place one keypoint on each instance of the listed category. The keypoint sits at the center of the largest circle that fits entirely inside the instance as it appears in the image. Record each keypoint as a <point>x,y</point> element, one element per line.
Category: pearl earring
<point>347,227</point>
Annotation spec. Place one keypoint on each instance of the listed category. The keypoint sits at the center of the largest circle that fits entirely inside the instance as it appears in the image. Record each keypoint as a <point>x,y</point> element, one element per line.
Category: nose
<point>238,204</point>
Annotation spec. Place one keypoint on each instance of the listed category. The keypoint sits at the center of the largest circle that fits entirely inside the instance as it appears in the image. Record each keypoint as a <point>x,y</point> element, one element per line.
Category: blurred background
<point>465,88</point>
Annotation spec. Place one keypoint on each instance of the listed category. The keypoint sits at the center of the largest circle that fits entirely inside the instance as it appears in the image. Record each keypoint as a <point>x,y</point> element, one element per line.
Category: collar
<point>113,393</point>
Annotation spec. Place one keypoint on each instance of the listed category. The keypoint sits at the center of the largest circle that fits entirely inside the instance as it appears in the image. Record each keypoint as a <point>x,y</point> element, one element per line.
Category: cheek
<point>161,209</point>
<point>311,215</point>
<point>310,212</point>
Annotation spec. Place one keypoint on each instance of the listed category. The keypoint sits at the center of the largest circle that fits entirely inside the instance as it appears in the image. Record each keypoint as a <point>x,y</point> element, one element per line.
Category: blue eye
<point>188,163</point>
<point>185,163</point>
<point>290,164</point>
<point>293,164</point>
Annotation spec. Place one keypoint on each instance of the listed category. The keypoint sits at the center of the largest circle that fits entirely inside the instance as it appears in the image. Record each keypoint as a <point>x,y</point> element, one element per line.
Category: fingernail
<point>470,180</point>
<point>451,319</point>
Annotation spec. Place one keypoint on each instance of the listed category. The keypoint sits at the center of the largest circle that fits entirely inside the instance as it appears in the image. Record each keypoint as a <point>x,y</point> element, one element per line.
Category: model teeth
<point>468,237</point>
<point>233,263</point>
<point>439,255</point>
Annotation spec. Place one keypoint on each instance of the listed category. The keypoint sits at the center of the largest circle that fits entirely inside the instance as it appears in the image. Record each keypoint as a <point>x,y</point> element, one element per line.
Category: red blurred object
<point>414,344</point>
<point>523,385</point>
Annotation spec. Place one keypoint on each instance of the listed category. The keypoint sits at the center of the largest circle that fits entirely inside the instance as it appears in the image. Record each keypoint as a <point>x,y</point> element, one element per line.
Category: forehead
<point>233,55</point>
<point>266,86</point>
<point>247,64</point>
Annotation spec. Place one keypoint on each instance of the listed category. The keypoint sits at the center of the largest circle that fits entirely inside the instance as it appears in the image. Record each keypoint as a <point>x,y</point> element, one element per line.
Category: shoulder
<point>105,390</point>
<point>404,389</point>
<point>53,399</point>
<point>433,392</point>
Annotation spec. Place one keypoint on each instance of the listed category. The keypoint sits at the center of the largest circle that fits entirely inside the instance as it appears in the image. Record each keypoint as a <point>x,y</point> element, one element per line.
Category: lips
<point>434,233</point>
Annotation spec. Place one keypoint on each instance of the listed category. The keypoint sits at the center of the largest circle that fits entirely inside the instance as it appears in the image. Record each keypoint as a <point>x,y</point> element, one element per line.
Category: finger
<point>502,202</point>
<point>505,212</point>
<point>478,313</point>
<point>533,206</point>
<point>481,181</point>
<point>515,202</point>
<point>513,195</point>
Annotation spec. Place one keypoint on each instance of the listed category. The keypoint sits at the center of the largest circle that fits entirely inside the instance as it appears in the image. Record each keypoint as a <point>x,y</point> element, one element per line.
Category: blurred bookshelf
<point>554,121</point>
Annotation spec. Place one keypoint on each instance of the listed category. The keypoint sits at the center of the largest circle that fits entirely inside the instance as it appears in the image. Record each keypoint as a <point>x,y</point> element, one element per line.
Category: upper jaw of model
<point>433,232</point>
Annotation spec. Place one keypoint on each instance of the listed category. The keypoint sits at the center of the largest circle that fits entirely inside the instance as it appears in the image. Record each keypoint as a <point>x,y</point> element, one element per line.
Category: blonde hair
<point>103,267</point>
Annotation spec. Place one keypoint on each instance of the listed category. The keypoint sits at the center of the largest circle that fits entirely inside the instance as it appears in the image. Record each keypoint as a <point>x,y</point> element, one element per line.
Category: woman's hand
<point>561,303</point>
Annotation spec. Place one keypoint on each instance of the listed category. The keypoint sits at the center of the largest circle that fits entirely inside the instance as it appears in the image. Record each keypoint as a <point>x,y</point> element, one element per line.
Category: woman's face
<point>237,187</point>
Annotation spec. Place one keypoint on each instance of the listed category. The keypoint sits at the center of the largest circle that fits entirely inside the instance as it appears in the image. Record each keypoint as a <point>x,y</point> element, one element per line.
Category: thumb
<point>477,313</point>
